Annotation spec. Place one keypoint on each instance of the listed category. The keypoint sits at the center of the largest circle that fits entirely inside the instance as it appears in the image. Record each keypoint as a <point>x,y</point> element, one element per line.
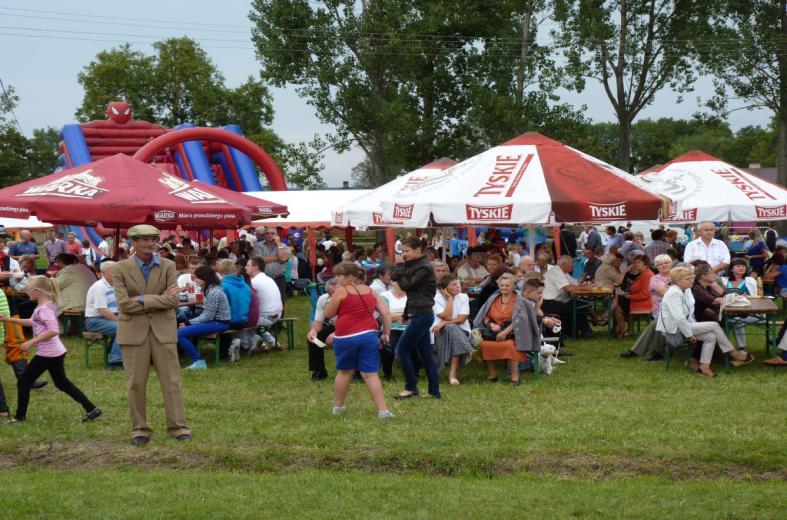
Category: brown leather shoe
<point>694,364</point>
<point>775,362</point>
<point>705,371</point>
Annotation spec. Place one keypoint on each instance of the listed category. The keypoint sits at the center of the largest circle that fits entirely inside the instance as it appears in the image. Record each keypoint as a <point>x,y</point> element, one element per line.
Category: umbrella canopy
<point>531,179</point>
<point>307,208</point>
<point>122,191</point>
<point>706,188</point>
<point>366,211</point>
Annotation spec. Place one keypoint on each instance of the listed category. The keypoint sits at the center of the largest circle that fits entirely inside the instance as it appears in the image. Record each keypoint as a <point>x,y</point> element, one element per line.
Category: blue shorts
<point>361,352</point>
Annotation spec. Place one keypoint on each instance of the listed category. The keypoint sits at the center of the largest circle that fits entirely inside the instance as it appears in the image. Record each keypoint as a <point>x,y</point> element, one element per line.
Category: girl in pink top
<point>50,351</point>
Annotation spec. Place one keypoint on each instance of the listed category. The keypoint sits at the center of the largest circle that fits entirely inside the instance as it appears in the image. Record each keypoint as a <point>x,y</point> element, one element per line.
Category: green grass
<point>603,436</point>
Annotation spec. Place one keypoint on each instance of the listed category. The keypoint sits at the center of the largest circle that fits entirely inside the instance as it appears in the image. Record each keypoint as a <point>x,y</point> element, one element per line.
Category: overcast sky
<point>62,37</point>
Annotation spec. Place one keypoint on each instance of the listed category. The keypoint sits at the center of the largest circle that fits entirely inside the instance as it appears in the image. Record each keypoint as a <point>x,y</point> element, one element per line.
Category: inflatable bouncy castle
<point>216,156</point>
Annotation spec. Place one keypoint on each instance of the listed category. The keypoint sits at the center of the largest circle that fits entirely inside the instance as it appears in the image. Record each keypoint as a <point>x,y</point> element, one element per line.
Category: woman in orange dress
<point>498,319</point>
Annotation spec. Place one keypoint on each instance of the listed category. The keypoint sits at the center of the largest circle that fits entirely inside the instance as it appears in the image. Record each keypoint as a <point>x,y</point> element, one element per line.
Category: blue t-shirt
<point>24,248</point>
<point>757,249</point>
<point>781,280</point>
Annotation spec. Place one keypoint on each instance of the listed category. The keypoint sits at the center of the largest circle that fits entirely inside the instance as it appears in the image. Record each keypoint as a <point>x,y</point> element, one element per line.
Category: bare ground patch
<point>92,456</point>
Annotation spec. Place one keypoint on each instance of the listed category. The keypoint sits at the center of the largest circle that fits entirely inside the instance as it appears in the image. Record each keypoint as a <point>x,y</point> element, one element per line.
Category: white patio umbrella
<point>531,179</point>
<point>366,211</point>
<point>706,188</point>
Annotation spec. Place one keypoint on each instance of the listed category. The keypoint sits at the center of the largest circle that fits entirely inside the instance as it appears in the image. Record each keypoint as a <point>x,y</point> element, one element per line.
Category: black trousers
<point>19,368</point>
<point>316,354</point>
<point>563,310</point>
<point>54,365</point>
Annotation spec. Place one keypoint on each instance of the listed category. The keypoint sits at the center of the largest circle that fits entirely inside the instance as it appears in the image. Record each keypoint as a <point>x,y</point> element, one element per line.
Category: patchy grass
<point>597,431</point>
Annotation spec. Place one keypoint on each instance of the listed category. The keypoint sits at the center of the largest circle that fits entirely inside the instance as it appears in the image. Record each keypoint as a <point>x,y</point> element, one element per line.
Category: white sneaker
<point>234,350</point>
<point>385,414</point>
<point>338,410</point>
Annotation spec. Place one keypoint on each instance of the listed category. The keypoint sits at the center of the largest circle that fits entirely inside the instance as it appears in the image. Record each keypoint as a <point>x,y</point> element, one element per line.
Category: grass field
<point>602,437</point>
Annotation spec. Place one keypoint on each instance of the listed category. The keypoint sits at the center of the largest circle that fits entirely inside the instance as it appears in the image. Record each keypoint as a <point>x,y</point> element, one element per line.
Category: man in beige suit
<point>147,294</point>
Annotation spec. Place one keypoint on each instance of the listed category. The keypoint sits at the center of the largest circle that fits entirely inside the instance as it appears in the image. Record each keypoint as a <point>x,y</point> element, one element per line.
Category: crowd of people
<point>431,304</point>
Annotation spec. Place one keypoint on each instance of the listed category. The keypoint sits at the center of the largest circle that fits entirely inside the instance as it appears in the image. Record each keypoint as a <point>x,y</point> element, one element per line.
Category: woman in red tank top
<point>356,343</point>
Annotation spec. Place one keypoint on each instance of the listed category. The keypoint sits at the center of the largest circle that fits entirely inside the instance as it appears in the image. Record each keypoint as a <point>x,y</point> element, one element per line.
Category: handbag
<point>475,337</point>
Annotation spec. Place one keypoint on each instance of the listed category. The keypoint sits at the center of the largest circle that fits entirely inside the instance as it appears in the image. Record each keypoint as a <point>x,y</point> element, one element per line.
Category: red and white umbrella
<point>366,211</point>
<point>531,179</point>
<point>706,188</point>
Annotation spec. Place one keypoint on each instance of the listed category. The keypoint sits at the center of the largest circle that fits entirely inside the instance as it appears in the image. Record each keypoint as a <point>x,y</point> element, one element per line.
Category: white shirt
<point>475,273</point>
<point>101,295</point>
<point>268,295</point>
<point>378,286</point>
<point>716,253</point>
<point>554,281</point>
<point>395,306</point>
<point>582,240</point>
<point>185,279</point>
<point>461,306</point>
<point>319,312</point>
<point>103,247</point>
<point>549,268</point>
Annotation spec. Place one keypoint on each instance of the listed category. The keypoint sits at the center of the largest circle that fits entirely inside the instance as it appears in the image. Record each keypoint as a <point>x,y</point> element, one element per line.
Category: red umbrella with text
<point>120,191</point>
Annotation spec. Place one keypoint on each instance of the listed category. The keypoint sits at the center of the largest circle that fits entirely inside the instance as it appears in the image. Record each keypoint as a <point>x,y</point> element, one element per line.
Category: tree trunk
<point>624,143</point>
<point>524,51</point>
<point>781,150</point>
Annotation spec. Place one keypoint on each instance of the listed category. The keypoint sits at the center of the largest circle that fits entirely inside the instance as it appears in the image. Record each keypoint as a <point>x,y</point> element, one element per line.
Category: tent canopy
<point>707,188</point>
<point>13,224</point>
<point>530,179</point>
<point>308,208</point>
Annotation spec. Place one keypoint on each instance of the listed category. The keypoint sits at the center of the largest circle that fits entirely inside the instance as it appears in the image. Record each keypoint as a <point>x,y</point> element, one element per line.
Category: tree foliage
<point>410,81</point>
<point>634,48</point>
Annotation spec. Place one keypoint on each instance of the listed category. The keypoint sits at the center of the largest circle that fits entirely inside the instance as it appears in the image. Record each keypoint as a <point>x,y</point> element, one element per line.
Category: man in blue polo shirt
<point>25,246</point>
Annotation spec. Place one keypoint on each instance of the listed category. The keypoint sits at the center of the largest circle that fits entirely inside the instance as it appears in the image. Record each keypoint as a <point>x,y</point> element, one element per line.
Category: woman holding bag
<point>674,318</point>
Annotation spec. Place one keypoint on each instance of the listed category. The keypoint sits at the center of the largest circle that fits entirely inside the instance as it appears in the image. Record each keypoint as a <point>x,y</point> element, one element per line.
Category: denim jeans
<point>416,339</point>
<point>110,328</point>
<point>196,330</point>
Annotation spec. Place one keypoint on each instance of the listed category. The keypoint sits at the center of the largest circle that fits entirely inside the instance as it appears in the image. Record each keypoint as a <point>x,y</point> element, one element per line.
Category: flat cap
<point>143,230</point>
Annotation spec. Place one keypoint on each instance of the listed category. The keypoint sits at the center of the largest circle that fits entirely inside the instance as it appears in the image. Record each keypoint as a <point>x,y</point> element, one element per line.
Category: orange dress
<point>497,350</point>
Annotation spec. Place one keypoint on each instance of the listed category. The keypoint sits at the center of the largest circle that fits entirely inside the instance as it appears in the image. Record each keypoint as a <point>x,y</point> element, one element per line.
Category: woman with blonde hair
<point>675,317</point>
<point>50,351</point>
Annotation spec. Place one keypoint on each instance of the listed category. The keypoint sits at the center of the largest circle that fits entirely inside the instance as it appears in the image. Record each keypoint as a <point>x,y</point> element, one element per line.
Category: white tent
<point>24,223</point>
<point>366,211</point>
<point>706,188</point>
<point>308,208</point>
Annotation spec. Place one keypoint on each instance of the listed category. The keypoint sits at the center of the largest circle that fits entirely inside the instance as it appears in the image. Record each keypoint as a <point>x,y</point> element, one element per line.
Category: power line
<point>11,107</point>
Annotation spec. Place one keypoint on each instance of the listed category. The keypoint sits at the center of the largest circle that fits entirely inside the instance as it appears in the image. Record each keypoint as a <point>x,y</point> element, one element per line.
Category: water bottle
<point>760,291</point>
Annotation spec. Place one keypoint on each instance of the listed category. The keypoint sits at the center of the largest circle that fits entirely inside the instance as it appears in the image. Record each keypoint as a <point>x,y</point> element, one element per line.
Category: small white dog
<point>549,359</point>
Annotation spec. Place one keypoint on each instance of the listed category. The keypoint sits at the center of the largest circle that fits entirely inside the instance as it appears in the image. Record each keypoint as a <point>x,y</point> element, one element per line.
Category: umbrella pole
<point>313,252</point>
<point>116,252</point>
<point>556,240</point>
<point>531,239</point>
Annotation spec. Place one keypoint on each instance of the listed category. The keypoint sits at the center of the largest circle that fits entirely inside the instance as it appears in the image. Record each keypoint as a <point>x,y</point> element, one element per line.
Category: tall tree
<point>748,55</point>
<point>634,48</point>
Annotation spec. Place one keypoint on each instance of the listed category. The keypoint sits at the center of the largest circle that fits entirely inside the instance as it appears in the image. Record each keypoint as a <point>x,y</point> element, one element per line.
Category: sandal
<point>454,381</point>
<point>740,362</point>
<point>491,379</point>
<point>403,396</point>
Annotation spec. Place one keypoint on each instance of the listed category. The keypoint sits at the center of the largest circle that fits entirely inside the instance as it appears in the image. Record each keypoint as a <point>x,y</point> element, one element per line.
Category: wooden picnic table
<point>589,292</point>
<point>764,310</point>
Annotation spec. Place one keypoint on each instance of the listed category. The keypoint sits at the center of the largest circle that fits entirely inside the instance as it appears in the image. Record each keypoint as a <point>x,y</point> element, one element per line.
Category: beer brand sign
<point>84,185</point>
<point>765,212</point>
<point>403,211</point>
<point>164,215</point>
<point>489,213</point>
<point>615,210</point>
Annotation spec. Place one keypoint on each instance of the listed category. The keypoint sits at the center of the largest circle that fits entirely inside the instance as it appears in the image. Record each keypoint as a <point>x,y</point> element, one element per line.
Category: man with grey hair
<point>707,248</point>
<point>275,254</point>
<point>527,264</point>
<point>25,246</point>
<point>473,270</point>
<point>440,269</point>
<point>101,312</point>
<point>558,286</point>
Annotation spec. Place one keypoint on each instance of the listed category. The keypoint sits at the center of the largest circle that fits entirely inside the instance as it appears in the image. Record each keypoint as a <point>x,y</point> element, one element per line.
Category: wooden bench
<point>99,341</point>
<point>215,340</point>
<point>69,316</point>
<point>288,326</point>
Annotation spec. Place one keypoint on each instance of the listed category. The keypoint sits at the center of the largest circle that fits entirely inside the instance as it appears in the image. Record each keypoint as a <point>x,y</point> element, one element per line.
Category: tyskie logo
<point>379,220</point>
<point>772,212</point>
<point>607,211</point>
<point>338,218</point>
<point>403,211</point>
<point>82,185</point>
<point>490,213</point>
<point>687,215</point>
